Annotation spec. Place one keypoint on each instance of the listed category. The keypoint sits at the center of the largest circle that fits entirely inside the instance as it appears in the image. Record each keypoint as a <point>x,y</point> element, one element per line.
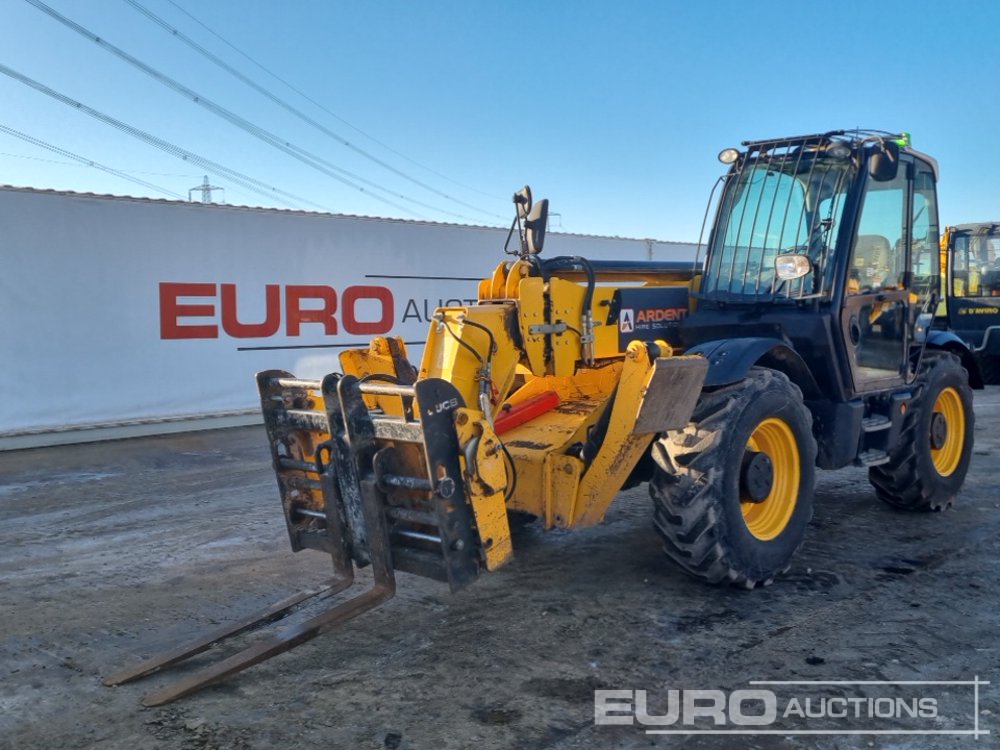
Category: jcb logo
<point>449,405</point>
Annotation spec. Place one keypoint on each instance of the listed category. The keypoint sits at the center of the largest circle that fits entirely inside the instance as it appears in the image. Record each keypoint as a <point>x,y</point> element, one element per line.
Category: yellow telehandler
<point>805,340</point>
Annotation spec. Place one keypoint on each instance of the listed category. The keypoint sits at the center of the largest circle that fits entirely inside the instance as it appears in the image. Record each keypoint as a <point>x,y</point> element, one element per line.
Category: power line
<point>296,152</point>
<point>71,164</point>
<point>334,115</point>
<point>245,181</point>
<point>180,36</point>
<point>87,162</point>
<point>283,145</point>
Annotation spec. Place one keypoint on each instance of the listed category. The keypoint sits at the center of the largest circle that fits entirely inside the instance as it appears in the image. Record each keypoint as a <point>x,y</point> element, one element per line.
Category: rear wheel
<point>929,462</point>
<point>732,493</point>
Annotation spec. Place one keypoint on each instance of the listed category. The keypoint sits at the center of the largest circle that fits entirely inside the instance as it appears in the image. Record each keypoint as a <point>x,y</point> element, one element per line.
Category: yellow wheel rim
<point>946,458</point>
<point>768,518</point>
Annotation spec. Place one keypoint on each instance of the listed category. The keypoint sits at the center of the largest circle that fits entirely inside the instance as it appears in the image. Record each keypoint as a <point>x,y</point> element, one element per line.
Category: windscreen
<point>777,203</point>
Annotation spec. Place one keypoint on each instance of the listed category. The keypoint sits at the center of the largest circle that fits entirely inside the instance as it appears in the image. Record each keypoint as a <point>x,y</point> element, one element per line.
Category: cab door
<point>881,299</point>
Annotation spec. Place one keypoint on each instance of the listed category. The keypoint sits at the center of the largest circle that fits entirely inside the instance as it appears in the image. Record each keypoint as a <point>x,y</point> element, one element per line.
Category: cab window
<point>877,262</point>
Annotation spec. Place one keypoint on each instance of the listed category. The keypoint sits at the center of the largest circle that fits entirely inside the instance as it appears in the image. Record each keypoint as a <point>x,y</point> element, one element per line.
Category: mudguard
<point>729,361</point>
<point>949,341</point>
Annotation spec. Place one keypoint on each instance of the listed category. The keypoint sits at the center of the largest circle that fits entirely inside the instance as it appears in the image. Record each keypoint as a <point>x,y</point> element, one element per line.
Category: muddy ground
<point>113,551</point>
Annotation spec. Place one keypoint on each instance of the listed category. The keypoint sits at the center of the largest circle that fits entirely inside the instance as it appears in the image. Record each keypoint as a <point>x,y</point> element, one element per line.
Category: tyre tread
<point>687,487</point>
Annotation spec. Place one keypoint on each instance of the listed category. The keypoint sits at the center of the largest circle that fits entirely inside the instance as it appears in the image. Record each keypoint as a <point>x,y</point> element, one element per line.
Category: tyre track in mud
<point>160,538</point>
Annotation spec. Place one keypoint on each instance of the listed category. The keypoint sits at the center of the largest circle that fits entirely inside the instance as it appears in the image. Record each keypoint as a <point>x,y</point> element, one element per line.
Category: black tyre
<point>733,492</point>
<point>929,463</point>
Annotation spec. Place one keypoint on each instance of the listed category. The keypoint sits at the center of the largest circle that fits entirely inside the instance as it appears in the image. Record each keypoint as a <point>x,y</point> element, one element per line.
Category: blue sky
<point>615,112</point>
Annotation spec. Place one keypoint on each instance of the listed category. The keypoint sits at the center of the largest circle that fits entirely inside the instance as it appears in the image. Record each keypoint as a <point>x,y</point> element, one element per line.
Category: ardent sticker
<point>649,313</point>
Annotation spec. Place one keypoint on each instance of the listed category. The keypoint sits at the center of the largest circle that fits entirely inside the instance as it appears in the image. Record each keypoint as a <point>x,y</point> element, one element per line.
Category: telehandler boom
<point>805,341</point>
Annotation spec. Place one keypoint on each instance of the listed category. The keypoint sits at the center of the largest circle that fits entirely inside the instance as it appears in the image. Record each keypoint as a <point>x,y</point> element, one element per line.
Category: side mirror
<point>535,225</point>
<point>522,199</point>
<point>883,164</point>
<point>792,266</point>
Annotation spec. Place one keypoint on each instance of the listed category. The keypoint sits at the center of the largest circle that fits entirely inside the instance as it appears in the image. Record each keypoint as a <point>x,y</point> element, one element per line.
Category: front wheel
<point>732,493</point>
<point>928,464</point>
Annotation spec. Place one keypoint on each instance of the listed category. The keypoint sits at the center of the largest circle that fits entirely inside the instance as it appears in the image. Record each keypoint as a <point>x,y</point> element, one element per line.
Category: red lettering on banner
<point>303,303</point>
<point>171,310</point>
<point>295,315</point>
<point>367,327</point>
<point>238,330</point>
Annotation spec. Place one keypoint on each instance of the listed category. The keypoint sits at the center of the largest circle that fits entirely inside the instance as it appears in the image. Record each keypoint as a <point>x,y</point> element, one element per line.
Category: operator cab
<point>828,242</point>
<point>973,291</point>
<point>976,261</point>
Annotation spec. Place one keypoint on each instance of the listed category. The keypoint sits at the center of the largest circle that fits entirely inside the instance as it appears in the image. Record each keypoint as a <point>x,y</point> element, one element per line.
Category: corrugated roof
<point>300,212</point>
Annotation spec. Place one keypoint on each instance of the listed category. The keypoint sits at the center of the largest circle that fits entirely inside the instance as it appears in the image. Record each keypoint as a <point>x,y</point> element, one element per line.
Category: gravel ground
<point>111,552</point>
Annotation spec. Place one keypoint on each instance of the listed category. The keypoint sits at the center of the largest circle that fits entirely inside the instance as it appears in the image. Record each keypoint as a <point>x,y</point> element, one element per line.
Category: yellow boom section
<point>531,338</point>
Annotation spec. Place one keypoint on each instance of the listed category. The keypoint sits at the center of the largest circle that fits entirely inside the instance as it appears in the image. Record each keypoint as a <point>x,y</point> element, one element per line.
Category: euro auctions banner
<point>117,310</point>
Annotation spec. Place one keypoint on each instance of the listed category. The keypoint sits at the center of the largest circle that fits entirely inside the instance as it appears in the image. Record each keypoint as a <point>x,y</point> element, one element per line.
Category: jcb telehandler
<point>972,291</point>
<point>805,341</point>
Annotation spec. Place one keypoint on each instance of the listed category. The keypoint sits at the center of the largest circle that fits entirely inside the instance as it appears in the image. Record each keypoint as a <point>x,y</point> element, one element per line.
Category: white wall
<point>88,337</point>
